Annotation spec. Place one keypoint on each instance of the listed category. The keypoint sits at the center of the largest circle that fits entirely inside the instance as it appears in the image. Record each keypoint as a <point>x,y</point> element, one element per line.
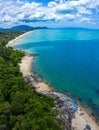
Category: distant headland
<point>23,27</point>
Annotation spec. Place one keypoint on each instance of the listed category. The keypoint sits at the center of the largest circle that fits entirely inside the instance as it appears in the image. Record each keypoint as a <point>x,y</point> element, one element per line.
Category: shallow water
<point>68,60</point>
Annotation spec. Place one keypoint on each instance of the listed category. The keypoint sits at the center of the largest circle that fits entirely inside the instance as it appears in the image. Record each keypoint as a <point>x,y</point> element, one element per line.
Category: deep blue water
<point>69,60</point>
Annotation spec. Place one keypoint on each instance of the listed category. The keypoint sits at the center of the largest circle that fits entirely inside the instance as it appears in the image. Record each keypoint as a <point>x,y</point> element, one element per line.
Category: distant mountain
<point>2,29</point>
<point>23,27</point>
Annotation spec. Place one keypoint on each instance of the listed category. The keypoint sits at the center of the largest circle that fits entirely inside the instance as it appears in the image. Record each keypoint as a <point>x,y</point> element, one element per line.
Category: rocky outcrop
<point>64,104</point>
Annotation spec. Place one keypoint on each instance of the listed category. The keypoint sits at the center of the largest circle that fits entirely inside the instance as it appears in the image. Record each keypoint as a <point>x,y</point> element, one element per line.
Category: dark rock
<point>92,114</point>
<point>34,55</point>
<point>81,114</point>
<point>53,111</point>
<point>88,127</point>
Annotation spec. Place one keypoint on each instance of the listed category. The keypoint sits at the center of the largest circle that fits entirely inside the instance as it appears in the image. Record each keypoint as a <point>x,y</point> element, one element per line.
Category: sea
<point>68,60</point>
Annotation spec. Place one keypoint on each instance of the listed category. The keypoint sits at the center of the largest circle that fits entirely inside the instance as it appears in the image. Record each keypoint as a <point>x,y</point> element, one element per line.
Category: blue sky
<point>51,13</point>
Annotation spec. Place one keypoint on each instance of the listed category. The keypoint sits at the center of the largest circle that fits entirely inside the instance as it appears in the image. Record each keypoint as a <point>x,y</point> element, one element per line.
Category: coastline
<point>17,38</point>
<point>25,68</point>
<point>81,120</point>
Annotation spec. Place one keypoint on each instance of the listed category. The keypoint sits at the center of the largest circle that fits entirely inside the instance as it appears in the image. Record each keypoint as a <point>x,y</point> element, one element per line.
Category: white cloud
<point>57,10</point>
<point>82,10</point>
<point>85,20</point>
<point>20,16</point>
<point>19,2</point>
<point>6,18</point>
<point>52,4</point>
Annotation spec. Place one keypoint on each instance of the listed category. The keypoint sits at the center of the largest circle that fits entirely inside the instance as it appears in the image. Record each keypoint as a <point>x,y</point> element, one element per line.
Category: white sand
<point>17,38</point>
<point>25,68</point>
<point>82,119</point>
<point>25,65</point>
<point>42,86</point>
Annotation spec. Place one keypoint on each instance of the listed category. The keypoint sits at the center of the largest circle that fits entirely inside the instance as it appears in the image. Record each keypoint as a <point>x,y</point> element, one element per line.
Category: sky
<point>50,13</point>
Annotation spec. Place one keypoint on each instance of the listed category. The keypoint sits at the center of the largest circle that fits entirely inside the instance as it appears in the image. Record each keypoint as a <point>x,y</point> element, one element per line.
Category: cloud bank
<point>23,11</point>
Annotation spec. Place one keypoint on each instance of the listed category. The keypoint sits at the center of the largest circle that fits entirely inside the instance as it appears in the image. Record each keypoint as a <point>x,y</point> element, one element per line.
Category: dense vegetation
<point>21,107</point>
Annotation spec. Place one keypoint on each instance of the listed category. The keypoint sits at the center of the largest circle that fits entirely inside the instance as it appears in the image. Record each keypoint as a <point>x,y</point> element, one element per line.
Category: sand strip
<point>25,68</point>
<point>17,38</point>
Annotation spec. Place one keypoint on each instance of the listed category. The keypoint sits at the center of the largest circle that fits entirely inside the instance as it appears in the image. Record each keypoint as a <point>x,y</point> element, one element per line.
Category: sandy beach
<point>17,38</point>
<point>25,65</point>
<point>81,121</point>
<point>25,68</point>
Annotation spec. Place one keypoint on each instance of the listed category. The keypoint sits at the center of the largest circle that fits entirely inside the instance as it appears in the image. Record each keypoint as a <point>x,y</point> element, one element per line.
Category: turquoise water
<point>69,60</point>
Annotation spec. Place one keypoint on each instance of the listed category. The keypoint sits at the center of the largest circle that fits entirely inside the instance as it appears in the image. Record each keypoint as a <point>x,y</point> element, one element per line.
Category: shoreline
<point>25,69</point>
<point>81,119</point>
<point>17,38</point>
